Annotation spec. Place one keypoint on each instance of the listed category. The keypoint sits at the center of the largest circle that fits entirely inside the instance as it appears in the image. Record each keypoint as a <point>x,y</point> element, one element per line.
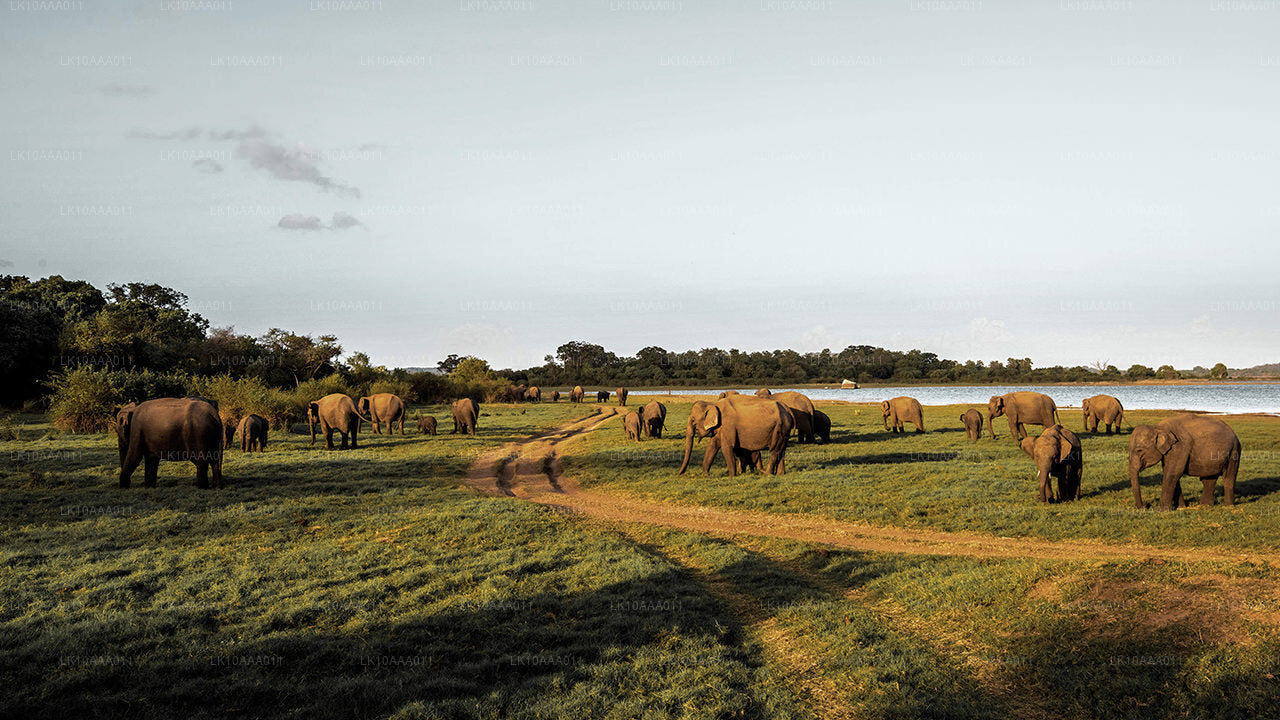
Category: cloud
<point>300,222</point>
<point>342,221</point>
<point>263,151</point>
<point>6,263</point>
<point>207,165</point>
<point>297,221</point>
<point>119,90</point>
<point>482,339</point>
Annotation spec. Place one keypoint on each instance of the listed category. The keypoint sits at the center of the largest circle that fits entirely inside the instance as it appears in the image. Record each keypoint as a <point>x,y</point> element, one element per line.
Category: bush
<point>316,389</point>
<point>85,398</point>
<point>395,387</point>
<point>429,388</point>
<point>243,396</point>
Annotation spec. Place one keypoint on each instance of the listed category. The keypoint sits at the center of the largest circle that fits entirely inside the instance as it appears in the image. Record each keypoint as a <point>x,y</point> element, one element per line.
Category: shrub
<point>238,397</point>
<point>316,389</point>
<point>84,400</point>
<point>395,387</point>
<point>429,388</point>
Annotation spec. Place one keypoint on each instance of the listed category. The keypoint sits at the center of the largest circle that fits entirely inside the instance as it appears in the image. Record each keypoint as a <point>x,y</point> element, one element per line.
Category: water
<point>1226,398</point>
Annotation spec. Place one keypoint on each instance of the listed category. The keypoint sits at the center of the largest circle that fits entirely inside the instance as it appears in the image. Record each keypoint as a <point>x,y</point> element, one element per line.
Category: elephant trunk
<point>991,424</point>
<point>1135,468</point>
<point>311,423</point>
<point>688,447</point>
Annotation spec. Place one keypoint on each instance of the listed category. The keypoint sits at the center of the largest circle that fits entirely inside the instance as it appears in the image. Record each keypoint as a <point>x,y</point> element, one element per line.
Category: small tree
<point>1139,372</point>
<point>1219,372</point>
<point>1167,372</point>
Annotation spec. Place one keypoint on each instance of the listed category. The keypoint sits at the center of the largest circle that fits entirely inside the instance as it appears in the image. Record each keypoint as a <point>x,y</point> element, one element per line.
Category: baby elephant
<point>602,396</point>
<point>427,425</point>
<point>253,433</point>
<point>631,425</point>
<point>972,420</point>
<point>900,410</point>
<point>1057,454</point>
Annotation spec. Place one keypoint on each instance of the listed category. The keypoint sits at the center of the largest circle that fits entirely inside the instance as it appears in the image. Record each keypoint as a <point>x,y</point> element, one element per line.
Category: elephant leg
<point>150,468</point>
<point>328,438</point>
<point>202,474</point>
<point>1206,494</point>
<point>345,439</point>
<point>127,467</point>
<point>355,431</point>
<point>709,456</point>
<point>217,473</point>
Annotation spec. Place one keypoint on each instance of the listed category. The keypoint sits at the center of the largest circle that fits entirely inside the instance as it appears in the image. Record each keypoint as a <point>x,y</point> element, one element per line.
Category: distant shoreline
<point>873,385</point>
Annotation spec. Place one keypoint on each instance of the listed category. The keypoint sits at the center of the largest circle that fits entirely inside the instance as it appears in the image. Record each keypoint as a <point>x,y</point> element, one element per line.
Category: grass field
<point>368,583</point>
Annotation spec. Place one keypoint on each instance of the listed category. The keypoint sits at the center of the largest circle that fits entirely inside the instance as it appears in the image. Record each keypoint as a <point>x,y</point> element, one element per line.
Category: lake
<point>1227,398</point>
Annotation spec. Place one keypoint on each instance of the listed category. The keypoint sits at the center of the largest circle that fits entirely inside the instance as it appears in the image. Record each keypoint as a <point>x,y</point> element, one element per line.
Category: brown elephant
<point>533,394</point>
<point>821,426</point>
<point>622,396</point>
<point>516,393</point>
<point>1194,445</point>
<point>170,429</point>
<point>739,426</point>
<point>726,394</point>
<point>631,425</point>
<point>653,418</point>
<point>427,425</point>
<point>576,395</point>
<point>1022,408</point>
<point>555,396</point>
<point>1058,455</point>
<point>1101,409</point>
<point>763,392</point>
<point>335,412</point>
<point>253,433</point>
<point>802,410</point>
<point>903,409</point>
<point>465,414</point>
<point>602,396</point>
<point>383,407</point>
<point>972,421</point>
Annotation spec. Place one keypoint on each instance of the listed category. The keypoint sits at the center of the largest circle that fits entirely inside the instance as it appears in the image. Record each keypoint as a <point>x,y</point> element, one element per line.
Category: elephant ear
<point>1165,441</point>
<point>884,406</point>
<point>1028,445</point>
<point>124,418</point>
<point>711,420</point>
<point>1064,448</point>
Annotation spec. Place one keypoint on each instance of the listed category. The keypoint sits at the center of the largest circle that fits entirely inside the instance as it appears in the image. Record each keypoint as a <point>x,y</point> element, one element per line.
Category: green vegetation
<point>940,480</point>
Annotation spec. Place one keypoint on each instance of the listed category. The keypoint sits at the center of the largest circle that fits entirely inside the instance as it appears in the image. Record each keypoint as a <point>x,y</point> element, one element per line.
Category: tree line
<point>137,340</point>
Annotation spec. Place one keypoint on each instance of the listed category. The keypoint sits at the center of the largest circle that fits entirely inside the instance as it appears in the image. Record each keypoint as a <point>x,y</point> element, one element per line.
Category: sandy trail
<point>531,470</point>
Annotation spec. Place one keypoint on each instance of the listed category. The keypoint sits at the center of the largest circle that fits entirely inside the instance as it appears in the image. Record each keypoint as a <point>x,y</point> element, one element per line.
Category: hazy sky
<point>1069,181</point>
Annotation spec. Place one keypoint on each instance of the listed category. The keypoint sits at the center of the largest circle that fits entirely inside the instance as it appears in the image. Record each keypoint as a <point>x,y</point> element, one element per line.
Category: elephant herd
<point>741,427</point>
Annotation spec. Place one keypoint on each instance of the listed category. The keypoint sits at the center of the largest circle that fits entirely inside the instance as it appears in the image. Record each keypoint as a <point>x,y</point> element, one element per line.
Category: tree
<point>301,357</point>
<point>143,325</point>
<point>28,347</point>
<point>449,364</point>
<point>1219,372</point>
<point>1167,372</point>
<point>1139,372</point>
<point>472,370</point>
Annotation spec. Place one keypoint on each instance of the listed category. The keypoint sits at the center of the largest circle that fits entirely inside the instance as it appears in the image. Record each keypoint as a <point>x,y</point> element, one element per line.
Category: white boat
<point>848,385</point>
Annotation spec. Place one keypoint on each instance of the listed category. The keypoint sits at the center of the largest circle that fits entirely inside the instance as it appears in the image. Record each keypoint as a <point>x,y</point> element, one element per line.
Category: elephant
<point>901,410</point>
<point>602,396</point>
<point>739,426</point>
<point>555,396</point>
<point>972,420</point>
<point>822,426</point>
<point>516,393</point>
<point>1194,445</point>
<point>253,433</point>
<point>533,394</point>
<point>170,429</point>
<point>631,425</point>
<point>1058,455</point>
<point>763,392</point>
<point>427,425</point>
<point>576,395</point>
<point>653,417</point>
<point>383,407</point>
<point>335,412</point>
<point>622,396</point>
<point>726,394</point>
<point>1022,408</point>
<point>465,413</point>
<point>802,410</point>
<point>1104,409</point>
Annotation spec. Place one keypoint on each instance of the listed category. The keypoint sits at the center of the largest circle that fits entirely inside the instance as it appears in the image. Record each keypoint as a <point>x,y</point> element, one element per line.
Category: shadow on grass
<point>545,655</point>
<point>889,459</point>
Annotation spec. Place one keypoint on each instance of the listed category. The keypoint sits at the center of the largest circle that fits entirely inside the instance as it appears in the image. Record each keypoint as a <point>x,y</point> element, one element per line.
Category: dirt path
<point>531,470</point>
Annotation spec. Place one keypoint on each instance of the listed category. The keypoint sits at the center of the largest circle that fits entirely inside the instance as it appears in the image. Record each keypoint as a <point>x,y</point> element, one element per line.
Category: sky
<point>1072,181</point>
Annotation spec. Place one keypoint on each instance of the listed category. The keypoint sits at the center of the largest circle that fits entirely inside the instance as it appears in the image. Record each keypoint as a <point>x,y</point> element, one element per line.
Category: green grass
<point>941,480</point>
<point>342,584</point>
<point>368,583</point>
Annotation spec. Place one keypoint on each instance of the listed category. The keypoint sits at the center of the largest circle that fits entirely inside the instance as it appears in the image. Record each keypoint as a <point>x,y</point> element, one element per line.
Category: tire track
<point>535,474</point>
